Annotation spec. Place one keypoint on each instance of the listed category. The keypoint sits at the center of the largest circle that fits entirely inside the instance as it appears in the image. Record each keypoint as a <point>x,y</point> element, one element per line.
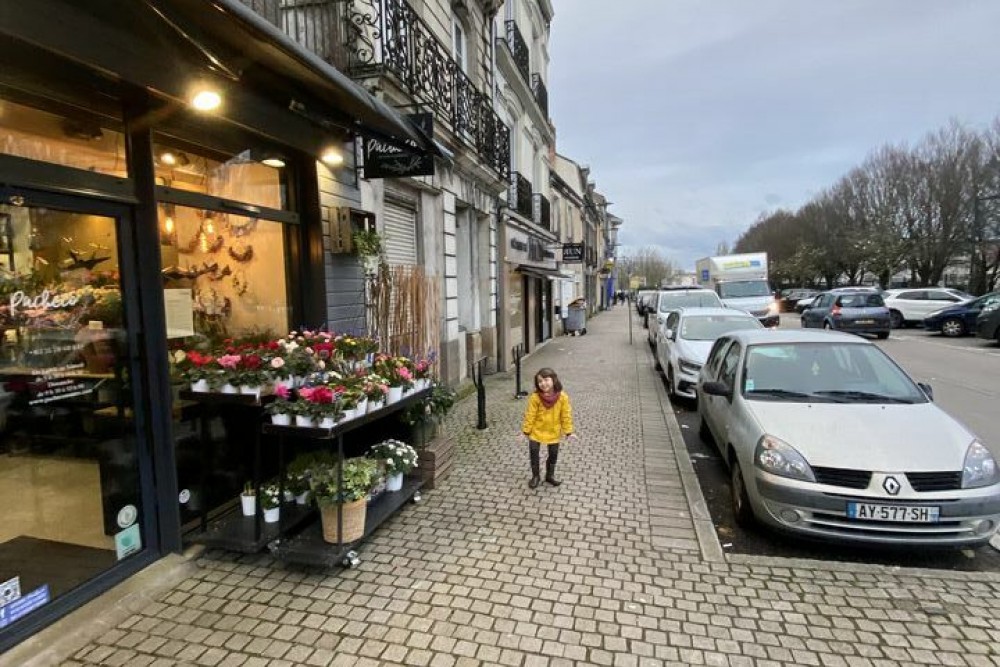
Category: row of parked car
<point>949,311</point>
<point>824,435</point>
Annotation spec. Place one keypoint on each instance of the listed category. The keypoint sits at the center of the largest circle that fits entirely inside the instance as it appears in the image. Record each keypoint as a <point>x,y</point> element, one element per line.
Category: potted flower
<point>270,502</point>
<point>248,500</point>
<point>396,458</point>
<point>250,374</point>
<point>195,368</point>
<point>375,388</point>
<point>424,416</point>
<point>319,404</point>
<point>397,372</point>
<point>349,498</point>
<point>297,485</point>
<point>282,408</point>
<point>422,373</point>
<point>228,363</point>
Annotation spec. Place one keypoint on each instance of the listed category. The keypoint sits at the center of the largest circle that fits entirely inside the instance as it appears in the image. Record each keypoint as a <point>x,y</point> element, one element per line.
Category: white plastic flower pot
<point>375,405</point>
<point>250,390</point>
<point>305,421</point>
<point>395,395</point>
<point>362,407</point>
<point>394,482</point>
<point>272,515</point>
<point>327,422</point>
<point>288,496</point>
<point>230,389</point>
<point>302,498</point>
<point>249,504</point>
<point>200,386</point>
<point>281,420</point>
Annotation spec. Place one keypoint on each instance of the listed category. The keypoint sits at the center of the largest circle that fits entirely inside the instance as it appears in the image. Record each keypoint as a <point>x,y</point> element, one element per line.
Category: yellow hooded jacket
<point>547,425</point>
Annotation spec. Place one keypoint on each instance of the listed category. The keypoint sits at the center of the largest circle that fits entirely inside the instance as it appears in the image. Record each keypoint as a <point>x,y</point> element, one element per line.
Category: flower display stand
<point>436,458</point>
<point>307,545</point>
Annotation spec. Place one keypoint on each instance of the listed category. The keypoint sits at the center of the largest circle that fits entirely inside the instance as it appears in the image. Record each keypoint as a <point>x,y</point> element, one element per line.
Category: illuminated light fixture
<point>168,158</point>
<point>209,225</point>
<point>332,157</point>
<point>273,161</point>
<point>168,233</point>
<point>206,99</point>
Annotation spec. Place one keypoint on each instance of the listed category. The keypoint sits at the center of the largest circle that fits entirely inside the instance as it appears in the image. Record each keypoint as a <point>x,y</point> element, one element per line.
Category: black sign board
<point>385,160</point>
<point>572,252</point>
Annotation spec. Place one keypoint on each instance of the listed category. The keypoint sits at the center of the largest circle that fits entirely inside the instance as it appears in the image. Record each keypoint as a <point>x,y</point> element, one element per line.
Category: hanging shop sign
<point>385,160</point>
<point>572,252</point>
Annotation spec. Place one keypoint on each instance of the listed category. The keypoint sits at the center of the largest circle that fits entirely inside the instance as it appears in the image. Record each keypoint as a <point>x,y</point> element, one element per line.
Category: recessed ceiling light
<point>275,162</point>
<point>206,100</point>
<point>332,157</point>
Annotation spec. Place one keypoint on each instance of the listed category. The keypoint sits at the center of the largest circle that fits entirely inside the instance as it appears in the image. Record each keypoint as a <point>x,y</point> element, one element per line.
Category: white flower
<point>389,462</point>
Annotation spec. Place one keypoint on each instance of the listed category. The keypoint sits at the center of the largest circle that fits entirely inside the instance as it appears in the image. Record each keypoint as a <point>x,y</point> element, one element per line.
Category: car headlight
<point>980,468</point>
<point>689,367</point>
<point>989,308</point>
<point>778,457</point>
<point>772,308</point>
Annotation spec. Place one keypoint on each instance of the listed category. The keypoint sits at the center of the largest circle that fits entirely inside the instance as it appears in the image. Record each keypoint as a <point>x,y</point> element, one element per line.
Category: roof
<point>778,335</point>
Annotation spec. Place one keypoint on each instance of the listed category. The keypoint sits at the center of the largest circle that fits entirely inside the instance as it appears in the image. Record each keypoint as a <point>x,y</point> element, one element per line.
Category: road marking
<point>992,351</point>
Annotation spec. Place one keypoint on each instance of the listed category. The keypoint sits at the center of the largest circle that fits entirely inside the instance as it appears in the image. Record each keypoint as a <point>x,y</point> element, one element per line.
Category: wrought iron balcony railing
<point>386,37</point>
<point>519,195</point>
<point>540,211</point>
<point>541,93</point>
<point>519,49</point>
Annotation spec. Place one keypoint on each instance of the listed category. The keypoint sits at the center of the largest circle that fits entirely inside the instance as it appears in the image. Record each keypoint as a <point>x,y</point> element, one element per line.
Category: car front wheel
<point>738,492</point>
<point>953,327</point>
<point>896,319</point>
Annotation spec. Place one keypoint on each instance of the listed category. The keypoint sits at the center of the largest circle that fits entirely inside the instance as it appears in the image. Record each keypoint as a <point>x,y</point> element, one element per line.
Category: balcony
<point>519,195</point>
<point>369,38</point>
<point>541,93</point>
<point>317,25</point>
<point>540,211</point>
<point>519,49</point>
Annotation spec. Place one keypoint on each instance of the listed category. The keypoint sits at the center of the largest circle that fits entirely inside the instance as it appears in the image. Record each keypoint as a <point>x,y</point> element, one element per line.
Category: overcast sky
<point>696,116</point>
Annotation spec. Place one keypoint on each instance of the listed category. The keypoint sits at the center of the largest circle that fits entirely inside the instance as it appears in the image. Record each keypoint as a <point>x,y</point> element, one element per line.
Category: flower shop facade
<point>171,173</point>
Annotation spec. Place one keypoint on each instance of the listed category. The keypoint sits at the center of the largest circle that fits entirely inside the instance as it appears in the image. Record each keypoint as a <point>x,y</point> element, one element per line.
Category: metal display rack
<point>236,532</point>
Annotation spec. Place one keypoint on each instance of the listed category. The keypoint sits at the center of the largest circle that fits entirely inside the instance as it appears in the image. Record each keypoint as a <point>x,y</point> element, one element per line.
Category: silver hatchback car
<point>826,436</point>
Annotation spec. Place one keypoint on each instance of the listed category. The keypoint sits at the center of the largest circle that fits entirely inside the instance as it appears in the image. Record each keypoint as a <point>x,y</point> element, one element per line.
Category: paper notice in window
<point>179,307</point>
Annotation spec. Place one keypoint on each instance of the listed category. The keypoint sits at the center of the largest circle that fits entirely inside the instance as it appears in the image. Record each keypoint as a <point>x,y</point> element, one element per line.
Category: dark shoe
<point>550,475</point>
<point>534,482</point>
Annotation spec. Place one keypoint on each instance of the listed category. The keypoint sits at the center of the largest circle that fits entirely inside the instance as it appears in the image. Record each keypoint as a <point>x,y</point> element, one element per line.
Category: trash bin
<point>576,318</point>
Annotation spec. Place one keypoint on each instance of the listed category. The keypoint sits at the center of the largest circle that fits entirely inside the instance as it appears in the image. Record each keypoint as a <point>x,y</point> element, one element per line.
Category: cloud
<point>697,117</point>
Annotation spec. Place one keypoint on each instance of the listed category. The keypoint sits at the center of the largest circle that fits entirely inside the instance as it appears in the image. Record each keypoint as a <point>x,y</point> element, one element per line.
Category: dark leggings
<point>553,452</point>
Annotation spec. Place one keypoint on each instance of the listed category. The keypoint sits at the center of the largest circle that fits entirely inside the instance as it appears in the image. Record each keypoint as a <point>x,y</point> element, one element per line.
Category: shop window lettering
<point>44,301</point>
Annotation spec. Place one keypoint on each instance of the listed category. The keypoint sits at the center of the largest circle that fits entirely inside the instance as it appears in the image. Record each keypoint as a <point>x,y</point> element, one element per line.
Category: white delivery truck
<point>741,282</point>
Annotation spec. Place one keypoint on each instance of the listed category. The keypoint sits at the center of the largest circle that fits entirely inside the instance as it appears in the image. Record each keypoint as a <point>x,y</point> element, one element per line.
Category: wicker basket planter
<point>353,521</point>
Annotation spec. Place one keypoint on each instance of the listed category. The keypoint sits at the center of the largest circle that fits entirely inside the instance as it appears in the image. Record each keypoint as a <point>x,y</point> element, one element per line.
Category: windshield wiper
<point>864,395</point>
<point>783,393</point>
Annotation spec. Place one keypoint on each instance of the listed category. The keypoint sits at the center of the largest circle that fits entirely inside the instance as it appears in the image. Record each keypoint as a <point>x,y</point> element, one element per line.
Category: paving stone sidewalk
<point>618,566</point>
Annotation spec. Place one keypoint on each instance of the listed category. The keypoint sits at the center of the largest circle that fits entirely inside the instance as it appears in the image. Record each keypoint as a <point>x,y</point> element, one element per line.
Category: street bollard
<point>518,352</point>
<point>477,379</point>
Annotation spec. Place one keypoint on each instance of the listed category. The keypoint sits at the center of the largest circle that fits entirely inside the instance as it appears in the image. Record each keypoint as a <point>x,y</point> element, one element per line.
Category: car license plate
<point>901,513</point>
<point>864,321</point>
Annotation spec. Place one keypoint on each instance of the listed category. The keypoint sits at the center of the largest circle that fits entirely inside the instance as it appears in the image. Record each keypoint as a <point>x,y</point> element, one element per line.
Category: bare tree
<point>648,263</point>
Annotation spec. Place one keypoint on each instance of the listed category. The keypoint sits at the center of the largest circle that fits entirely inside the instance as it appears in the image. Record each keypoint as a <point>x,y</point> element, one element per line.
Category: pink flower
<point>282,391</point>
<point>277,362</point>
<point>229,360</point>
<point>404,373</point>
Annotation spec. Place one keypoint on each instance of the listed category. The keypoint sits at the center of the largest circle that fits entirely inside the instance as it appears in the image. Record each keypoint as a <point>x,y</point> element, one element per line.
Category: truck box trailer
<point>741,282</point>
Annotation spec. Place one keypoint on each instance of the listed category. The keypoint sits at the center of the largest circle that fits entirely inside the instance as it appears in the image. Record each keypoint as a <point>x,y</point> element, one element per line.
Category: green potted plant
<point>349,498</point>
<point>397,459</point>
<point>368,246</point>
<point>425,416</point>
<point>270,502</point>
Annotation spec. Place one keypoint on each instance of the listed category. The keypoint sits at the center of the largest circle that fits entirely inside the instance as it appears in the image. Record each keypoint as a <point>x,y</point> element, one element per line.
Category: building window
<point>460,46</point>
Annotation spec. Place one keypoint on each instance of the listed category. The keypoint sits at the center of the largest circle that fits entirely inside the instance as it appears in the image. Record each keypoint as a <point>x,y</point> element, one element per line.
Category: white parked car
<point>686,339</point>
<point>673,298</point>
<point>909,306</point>
<point>826,436</point>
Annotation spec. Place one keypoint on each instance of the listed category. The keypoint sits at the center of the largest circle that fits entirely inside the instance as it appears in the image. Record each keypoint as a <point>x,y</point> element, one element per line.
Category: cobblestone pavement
<point>615,567</point>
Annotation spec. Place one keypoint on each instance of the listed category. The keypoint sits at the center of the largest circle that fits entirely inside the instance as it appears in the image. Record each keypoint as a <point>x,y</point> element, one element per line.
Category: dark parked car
<point>959,319</point>
<point>790,297</point>
<point>854,312</point>
<point>988,322</point>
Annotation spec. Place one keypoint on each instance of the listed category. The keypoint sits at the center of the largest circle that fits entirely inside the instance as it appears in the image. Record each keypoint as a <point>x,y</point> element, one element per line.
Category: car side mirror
<point>716,389</point>
<point>927,389</point>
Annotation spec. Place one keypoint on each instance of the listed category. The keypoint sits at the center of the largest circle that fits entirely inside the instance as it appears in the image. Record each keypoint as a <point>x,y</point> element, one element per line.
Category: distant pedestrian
<point>547,419</point>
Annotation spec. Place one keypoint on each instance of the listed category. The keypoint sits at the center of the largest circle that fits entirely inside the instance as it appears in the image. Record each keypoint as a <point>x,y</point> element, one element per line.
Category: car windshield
<point>860,301</point>
<point>744,288</point>
<point>695,299</point>
<point>829,372</point>
<point>710,327</point>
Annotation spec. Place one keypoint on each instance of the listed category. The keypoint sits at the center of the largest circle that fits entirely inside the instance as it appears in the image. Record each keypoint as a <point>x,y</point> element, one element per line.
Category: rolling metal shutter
<point>400,234</point>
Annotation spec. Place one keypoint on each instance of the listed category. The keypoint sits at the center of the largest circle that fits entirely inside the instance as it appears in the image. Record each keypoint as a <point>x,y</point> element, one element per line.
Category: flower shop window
<point>253,176</point>
<point>78,142</point>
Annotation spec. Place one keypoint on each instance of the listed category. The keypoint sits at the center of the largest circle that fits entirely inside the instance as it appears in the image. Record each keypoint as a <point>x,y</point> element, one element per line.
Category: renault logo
<point>891,485</point>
